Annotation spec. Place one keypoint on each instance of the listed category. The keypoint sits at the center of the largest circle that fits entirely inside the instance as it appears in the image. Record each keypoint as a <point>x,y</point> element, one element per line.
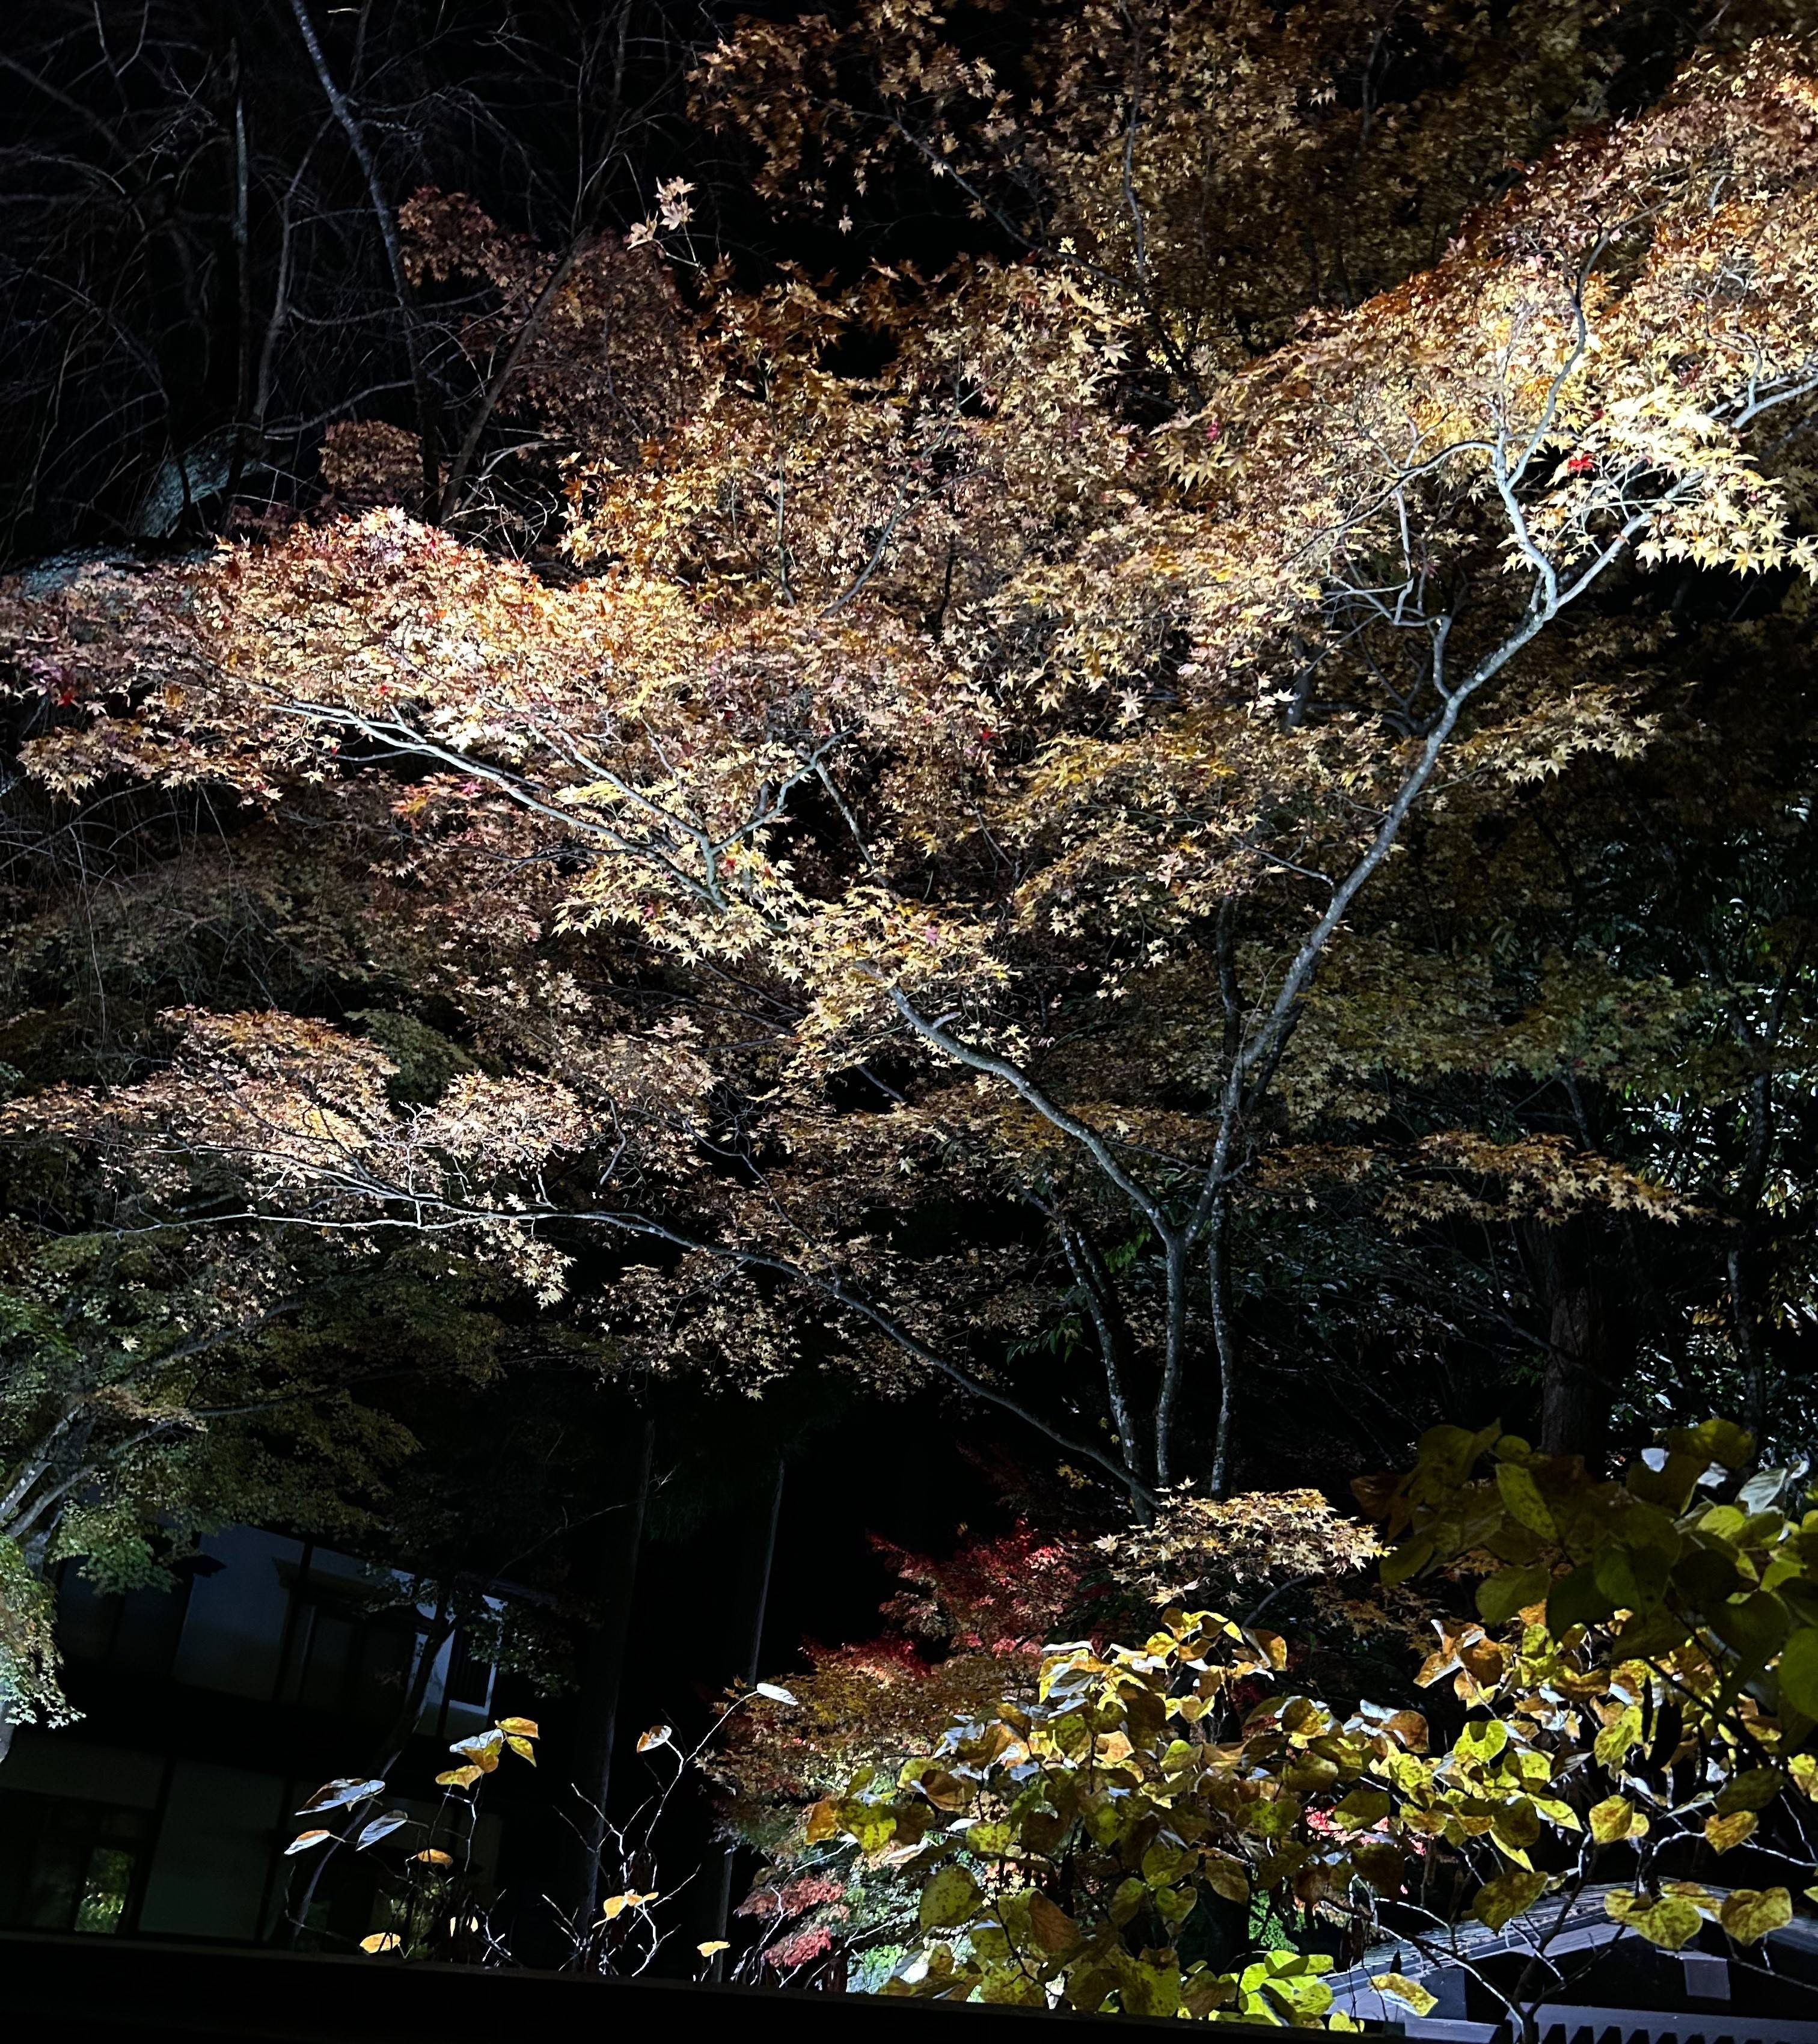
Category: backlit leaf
<point>950,1897</point>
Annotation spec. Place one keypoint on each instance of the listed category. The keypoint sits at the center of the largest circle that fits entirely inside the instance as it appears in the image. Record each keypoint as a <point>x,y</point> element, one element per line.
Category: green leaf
<point>1717,1440</point>
<point>1615,1738</point>
<point>1226,1876</point>
<point>1633,1578</point>
<point>1380,1864</point>
<point>1362,1808</point>
<point>1576,1600</point>
<point>1499,1597</point>
<point>1798,1670</point>
<point>1754,1628</point>
<point>1128,1898</point>
<point>1521,1496</point>
<point>1753,1789</point>
<point>1482,1740</point>
<point>1670,1486</point>
<point>1705,1577</point>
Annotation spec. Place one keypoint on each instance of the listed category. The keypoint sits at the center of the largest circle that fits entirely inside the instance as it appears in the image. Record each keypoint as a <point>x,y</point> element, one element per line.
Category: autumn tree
<point>945,740</point>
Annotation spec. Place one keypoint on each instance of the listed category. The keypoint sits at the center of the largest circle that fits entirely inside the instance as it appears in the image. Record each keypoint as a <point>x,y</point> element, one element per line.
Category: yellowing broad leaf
<point>381,1941</point>
<point>1055,1931</point>
<point>1724,1832</point>
<point>1505,1898</point>
<point>1403,1989</point>
<point>1750,1914</point>
<point>483,1750</point>
<point>1612,1818</point>
<point>1670,1922</point>
<point>1226,1876</point>
<point>950,1897</point>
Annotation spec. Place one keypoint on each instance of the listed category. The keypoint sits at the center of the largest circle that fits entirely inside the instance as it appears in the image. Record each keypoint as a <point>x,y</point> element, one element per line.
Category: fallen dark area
<point>120,1988</point>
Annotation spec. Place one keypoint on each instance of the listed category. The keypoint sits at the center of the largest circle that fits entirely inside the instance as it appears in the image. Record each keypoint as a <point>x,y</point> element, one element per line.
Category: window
<point>68,1864</point>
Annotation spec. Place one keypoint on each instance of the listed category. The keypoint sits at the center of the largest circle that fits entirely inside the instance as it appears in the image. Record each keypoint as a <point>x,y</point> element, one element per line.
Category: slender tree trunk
<point>1745,1305</point>
<point>450,499</point>
<point>1174,1361</point>
<point>1096,1286</point>
<point>422,389</point>
<point>391,1748</point>
<point>760,1607</point>
<point>602,1675</point>
<point>1223,1334</point>
<point>1574,1398</point>
<point>1744,1259</point>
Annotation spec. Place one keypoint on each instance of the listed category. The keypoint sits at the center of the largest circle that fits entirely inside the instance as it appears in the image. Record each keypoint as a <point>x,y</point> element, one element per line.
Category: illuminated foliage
<point>1638,1684</point>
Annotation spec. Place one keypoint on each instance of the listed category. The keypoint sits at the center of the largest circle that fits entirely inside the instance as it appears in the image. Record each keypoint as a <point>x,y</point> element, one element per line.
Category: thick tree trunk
<point>1589,1338</point>
<point>1574,1397</point>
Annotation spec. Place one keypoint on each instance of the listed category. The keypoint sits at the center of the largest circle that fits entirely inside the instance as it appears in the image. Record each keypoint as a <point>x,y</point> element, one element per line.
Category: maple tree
<point>957,719</point>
